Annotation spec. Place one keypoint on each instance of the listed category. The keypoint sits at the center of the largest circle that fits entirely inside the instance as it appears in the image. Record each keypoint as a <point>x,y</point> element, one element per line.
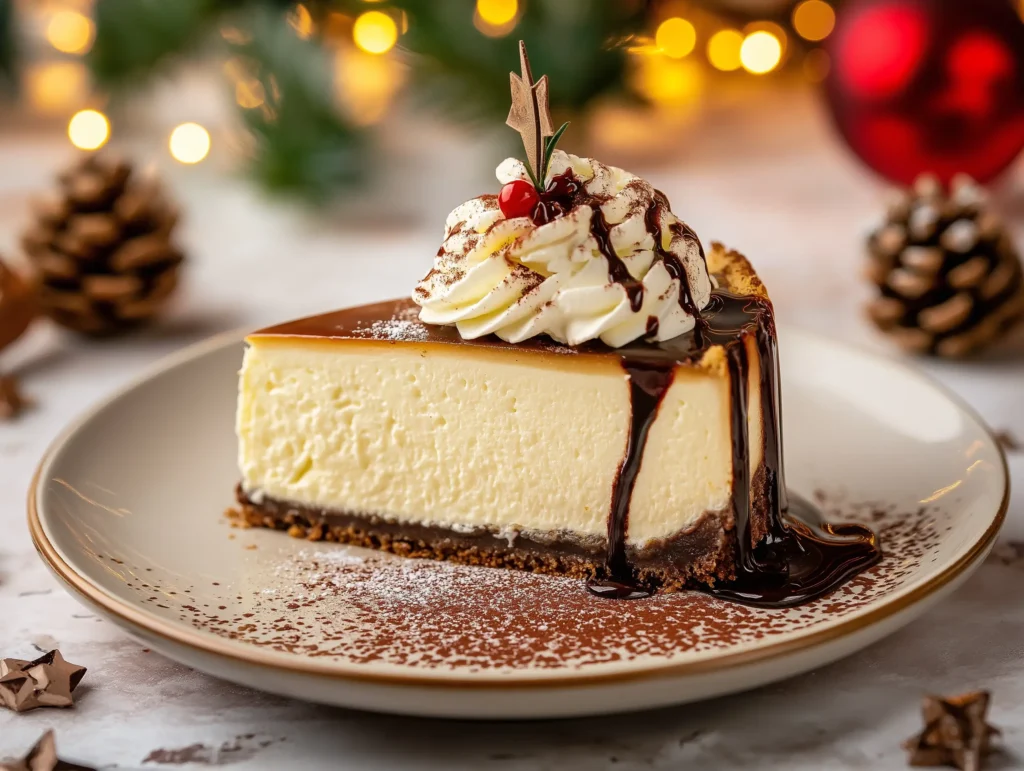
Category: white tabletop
<point>782,191</point>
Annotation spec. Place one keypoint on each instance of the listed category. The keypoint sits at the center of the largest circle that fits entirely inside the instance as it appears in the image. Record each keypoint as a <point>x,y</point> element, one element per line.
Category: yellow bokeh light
<point>724,50</point>
<point>70,32</point>
<point>676,37</point>
<point>89,129</point>
<point>56,87</point>
<point>770,27</point>
<point>486,28</point>
<point>761,52</point>
<point>375,32</point>
<point>190,143</point>
<point>250,93</point>
<point>301,21</point>
<point>497,13</point>
<point>366,85</point>
<point>668,82</point>
<point>814,19</point>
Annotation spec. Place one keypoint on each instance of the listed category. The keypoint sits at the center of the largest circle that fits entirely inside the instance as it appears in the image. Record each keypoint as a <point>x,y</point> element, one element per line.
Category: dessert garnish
<point>955,733</point>
<point>569,247</point>
<point>46,682</point>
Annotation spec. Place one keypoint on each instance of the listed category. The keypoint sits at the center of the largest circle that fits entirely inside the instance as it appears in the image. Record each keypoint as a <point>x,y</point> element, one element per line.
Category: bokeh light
<point>816,65</point>
<point>676,37</point>
<point>375,32</point>
<point>814,19</point>
<point>668,82</point>
<point>366,85</point>
<point>190,143</point>
<point>56,87</point>
<point>89,129</point>
<point>724,50</point>
<point>760,52</point>
<point>301,21</point>
<point>497,13</point>
<point>250,93</point>
<point>70,32</point>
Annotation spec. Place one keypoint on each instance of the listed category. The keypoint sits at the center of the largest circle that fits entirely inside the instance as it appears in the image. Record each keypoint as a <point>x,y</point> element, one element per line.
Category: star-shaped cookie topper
<point>955,732</point>
<point>46,682</point>
<point>530,114</point>
<point>42,757</point>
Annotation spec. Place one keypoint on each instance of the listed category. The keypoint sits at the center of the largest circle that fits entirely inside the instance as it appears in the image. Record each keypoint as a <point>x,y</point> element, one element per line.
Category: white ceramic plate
<point>127,508</point>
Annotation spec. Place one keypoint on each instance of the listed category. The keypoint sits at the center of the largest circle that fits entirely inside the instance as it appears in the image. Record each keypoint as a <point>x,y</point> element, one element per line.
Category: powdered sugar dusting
<point>357,606</point>
<point>397,330</point>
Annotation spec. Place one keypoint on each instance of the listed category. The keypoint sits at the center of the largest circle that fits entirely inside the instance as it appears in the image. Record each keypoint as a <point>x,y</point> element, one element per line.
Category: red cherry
<point>518,198</point>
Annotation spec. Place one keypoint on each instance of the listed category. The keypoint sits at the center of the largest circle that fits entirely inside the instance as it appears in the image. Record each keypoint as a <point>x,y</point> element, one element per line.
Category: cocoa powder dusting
<point>358,607</point>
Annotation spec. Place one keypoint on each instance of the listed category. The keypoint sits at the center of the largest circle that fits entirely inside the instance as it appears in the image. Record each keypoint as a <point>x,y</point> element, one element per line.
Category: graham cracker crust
<point>699,556</point>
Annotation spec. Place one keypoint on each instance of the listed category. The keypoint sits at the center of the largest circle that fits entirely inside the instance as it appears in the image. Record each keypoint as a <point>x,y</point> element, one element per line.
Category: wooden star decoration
<point>42,757</point>
<point>955,732</point>
<point>530,114</point>
<point>46,682</point>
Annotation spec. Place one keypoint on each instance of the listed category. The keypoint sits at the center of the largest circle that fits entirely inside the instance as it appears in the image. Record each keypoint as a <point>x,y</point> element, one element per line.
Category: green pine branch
<point>304,144</point>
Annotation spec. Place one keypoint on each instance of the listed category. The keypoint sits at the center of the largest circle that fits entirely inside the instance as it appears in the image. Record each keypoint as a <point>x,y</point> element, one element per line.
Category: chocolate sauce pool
<point>800,557</point>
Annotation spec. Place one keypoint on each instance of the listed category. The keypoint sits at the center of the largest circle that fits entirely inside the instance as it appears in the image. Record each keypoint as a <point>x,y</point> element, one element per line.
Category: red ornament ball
<point>935,86</point>
<point>518,198</point>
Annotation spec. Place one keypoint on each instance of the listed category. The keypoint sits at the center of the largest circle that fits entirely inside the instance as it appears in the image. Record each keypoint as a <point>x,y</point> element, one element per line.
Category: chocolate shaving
<point>46,682</point>
<point>42,757</point>
<point>955,732</point>
<point>530,115</point>
<point>12,402</point>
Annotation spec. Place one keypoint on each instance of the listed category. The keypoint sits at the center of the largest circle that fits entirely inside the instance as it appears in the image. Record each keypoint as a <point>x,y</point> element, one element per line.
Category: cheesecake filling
<point>515,447</point>
<point>606,261</point>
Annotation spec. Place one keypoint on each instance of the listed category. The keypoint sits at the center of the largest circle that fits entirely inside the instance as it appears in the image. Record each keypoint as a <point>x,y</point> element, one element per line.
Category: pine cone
<point>102,247</point>
<point>949,276</point>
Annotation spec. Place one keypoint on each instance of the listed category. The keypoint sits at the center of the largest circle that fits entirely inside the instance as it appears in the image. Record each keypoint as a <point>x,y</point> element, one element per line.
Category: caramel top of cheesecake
<point>396,321</point>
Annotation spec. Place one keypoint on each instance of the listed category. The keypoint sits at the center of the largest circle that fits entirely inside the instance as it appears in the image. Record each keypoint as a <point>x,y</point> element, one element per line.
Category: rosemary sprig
<point>550,148</point>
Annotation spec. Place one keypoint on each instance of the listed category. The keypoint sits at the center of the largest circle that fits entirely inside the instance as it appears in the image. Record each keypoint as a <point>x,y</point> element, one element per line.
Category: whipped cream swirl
<point>617,266</point>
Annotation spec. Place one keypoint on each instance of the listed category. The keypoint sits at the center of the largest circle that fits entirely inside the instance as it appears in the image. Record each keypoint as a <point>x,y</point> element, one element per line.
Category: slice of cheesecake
<point>368,427</point>
<point>574,388</point>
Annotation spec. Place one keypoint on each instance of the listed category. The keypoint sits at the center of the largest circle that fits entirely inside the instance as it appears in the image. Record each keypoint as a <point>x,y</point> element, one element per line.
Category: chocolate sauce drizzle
<point>617,270</point>
<point>796,556</point>
<point>675,268</point>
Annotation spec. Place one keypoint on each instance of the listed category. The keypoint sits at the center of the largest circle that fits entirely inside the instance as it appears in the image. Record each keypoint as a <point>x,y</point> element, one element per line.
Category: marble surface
<point>781,190</point>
